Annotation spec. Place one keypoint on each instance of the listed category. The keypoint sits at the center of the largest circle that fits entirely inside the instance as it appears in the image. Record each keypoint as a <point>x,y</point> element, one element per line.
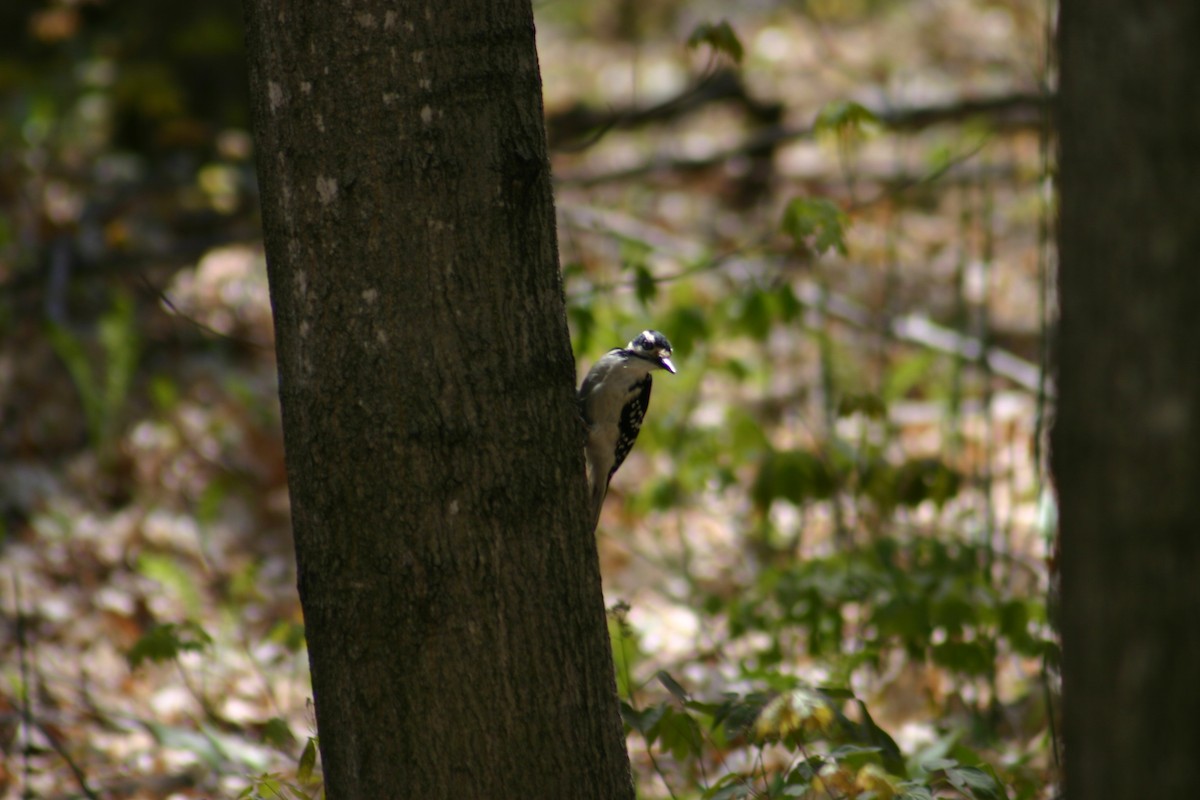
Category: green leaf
<point>289,634</point>
<point>970,658</point>
<point>635,257</point>
<point>845,117</point>
<point>737,368</point>
<point>871,733</point>
<point>102,390</point>
<point>236,749</point>
<point>634,253</point>
<point>976,783</point>
<point>1015,616</point>
<point>644,285</point>
<point>672,686</point>
<point>644,721</point>
<point>869,405</point>
<point>924,479</point>
<point>815,223</point>
<point>166,642</point>
<point>793,475</point>
<point>173,575</point>
<point>803,476</point>
<point>665,493</point>
<point>737,714</point>
<point>583,319</point>
<point>631,717</point>
<point>934,756</point>
<point>957,608</point>
<point>212,501</point>
<point>626,653</point>
<point>720,37</point>
<point>745,432</point>
<point>755,315</point>
<point>677,732</point>
<point>688,324</point>
<point>846,751</point>
<point>795,711</point>
<point>266,786</point>
<point>217,750</point>
<point>908,373</point>
<point>164,393</point>
<point>788,305</point>
<point>308,761</point>
<point>277,733</point>
<point>70,349</point>
<point>905,617</point>
<point>731,786</point>
<point>119,337</point>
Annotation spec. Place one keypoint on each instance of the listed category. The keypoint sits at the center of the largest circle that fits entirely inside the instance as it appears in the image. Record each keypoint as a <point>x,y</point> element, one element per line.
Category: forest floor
<point>845,411</point>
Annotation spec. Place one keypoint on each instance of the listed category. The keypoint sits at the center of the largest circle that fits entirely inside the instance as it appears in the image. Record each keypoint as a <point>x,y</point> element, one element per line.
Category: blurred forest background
<point>828,560</point>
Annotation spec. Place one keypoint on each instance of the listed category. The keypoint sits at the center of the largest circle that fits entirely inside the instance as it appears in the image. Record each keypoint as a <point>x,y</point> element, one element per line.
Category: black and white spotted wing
<point>631,421</point>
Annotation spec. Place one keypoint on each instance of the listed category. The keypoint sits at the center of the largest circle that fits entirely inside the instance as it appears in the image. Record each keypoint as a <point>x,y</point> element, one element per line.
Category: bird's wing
<point>631,420</point>
<point>592,380</point>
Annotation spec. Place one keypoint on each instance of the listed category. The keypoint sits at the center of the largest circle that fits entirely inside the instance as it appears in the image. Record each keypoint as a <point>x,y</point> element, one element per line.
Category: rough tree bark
<point>450,586</point>
<point>1126,444</point>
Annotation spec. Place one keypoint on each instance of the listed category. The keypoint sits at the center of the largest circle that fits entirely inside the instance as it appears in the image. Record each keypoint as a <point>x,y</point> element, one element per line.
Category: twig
<point>1045,282</point>
<point>828,405</point>
<point>76,770</point>
<point>911,328</point>
<point>712,86</point>
<point>1021,109</point>
<point>619,610</point>
<point>28,719</point>
<point>903,184</point>
<point>917,329</point>
<point>162,296</point>
<point>26,687</point>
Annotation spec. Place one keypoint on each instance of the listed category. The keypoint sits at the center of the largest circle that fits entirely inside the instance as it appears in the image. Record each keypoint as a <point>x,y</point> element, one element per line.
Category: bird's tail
<point>598,486</point>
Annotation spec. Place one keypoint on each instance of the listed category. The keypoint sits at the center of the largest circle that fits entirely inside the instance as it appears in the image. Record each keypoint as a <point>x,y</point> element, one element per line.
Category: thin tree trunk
<point>1126,444</point>
<point>450,586</point>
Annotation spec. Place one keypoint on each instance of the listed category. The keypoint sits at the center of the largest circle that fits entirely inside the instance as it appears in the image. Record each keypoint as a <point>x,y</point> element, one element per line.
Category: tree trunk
<point>450,585</point>
<point>1126,444</point>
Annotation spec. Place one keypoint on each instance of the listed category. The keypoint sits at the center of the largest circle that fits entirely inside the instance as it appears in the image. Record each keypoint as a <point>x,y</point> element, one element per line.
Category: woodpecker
<point>613,401</point>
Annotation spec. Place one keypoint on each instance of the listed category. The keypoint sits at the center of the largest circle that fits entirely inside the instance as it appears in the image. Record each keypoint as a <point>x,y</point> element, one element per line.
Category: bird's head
<point>653,347</point>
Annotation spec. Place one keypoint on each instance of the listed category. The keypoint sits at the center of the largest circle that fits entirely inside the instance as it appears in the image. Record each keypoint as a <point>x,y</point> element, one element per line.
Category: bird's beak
<point>667,364</point>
